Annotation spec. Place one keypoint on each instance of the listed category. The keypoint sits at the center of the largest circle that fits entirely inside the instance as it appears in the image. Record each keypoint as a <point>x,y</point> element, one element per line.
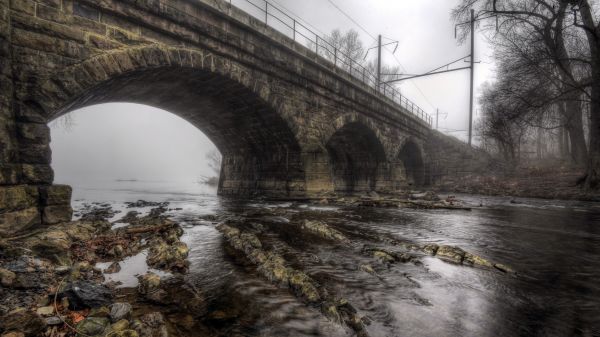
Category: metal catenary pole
<point>378,62</point>
<point>472,75</point>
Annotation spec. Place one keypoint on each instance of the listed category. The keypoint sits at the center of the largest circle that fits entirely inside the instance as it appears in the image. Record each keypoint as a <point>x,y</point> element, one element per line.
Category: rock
<point>367,268</point>
<point>53,244</point>
<point>270,264</point>
<point>13,334</point>
<point>119,311</point>
<point>114,267</point>
<point>100,312</point>
<point>325,231</point>
<point>92,326</point>
<point>168,257</point>
<point>125,333</point>
<point>83,294</point>
<point>54,320</point>
<point>116,251</point>
<point>383,256</point>
<point>120,325</point>
<point>504,268</point>
<point>7,277</point>
<point>151,325</point>
<point>149,286</point>
<point>148,282</point>
<point>45,311</point>
<point>143,203</point>
<point>21,320</point>
<point>430,249</point>
<point>450,254</point>
<point>477,260</point>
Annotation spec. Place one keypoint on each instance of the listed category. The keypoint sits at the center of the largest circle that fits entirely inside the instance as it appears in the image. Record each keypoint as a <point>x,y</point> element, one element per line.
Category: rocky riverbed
<point>58,281</point>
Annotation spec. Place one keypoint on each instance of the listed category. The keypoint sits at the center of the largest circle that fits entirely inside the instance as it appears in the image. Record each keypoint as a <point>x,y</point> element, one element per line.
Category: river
<point>554,246</point>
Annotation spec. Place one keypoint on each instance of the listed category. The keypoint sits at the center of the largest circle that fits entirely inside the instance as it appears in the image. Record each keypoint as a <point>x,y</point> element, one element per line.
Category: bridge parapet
<point>273,22</point>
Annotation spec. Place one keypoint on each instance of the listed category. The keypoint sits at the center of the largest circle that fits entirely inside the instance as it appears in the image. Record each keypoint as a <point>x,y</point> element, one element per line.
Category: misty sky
<point>123,141</point>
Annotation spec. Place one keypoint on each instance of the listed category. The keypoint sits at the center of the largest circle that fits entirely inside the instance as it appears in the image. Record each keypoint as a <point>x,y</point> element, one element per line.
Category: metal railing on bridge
<point>294,29</point>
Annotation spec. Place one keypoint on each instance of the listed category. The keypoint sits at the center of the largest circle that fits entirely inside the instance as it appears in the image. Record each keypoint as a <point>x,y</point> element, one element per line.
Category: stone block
<point>12,223</point>
<point>85,11</point>
<point>55,195</point>
<point>57,214</point>
<point>35,154</point>
<point>51,3</point>
<point>37,174</point>
<point>23,6</point>
<point>15,198</point>
<point>33,133</point>
<point>28,114</point>
<point>48,28</point>
<point>9,174</point>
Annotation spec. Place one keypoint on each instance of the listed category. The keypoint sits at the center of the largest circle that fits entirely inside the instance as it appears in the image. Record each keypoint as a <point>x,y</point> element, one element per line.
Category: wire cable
<point>351,19</point>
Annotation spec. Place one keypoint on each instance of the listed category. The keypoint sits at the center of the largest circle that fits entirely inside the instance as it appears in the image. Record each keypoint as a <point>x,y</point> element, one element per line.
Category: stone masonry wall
<point>451,159</point>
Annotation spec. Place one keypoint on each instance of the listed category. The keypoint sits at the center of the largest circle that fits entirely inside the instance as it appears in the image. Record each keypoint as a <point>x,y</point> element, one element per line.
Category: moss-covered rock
<point>451,254</point>
<point>323,230</point>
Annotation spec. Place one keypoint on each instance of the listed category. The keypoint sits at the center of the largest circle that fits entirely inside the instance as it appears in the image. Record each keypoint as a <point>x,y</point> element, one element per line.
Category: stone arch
<point>412,157</point>
<point>231,103</point>
<point>356,155</point>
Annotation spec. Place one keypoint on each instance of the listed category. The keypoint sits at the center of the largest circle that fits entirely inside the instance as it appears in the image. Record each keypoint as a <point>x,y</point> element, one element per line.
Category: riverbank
<point>560,183</point>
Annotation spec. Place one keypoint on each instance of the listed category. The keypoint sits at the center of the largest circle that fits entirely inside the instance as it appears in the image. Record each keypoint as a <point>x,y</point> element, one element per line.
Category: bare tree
<point>345,49</point>
<point>214,159</point>
<point>559,39</point>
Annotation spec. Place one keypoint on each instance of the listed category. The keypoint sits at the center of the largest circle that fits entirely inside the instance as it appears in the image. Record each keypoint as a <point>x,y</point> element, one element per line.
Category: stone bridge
<point>288,122</point>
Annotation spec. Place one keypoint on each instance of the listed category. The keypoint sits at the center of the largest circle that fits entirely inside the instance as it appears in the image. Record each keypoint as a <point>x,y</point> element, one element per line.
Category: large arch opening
<point>260,152</point>
<point>410,156</point>
<point>124,150</point>
<point>356,155</point>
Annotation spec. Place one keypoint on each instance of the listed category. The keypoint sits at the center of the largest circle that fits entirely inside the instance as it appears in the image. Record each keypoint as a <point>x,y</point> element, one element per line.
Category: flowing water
<point>553,245</point>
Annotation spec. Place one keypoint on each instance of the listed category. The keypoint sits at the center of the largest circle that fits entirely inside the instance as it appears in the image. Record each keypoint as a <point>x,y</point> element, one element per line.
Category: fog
<point>128,141</point>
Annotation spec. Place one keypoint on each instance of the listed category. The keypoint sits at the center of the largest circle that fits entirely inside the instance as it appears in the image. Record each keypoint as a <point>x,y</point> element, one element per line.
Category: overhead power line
<point>298,17</point>
<point>351,19</point>
<point>375,39</point>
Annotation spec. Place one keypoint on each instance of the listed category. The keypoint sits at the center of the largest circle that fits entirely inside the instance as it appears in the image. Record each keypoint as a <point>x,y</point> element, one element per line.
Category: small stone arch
<point>356,155</point>
<point>232,104</point>
<point>411,156</point>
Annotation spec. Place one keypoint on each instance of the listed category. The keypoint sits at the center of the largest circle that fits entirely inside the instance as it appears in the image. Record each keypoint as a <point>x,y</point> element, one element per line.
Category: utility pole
<point>472,75</point>
<point>379,62</point>
<point>437,118</point>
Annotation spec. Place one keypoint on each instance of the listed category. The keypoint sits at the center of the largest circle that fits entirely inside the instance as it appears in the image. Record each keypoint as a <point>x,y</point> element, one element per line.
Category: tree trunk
<point>592,32</point>
<point>574,125</point>
<point>563,142</point>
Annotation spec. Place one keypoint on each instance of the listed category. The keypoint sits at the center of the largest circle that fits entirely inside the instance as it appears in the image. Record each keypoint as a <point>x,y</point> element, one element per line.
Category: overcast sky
<point>123,141</point>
